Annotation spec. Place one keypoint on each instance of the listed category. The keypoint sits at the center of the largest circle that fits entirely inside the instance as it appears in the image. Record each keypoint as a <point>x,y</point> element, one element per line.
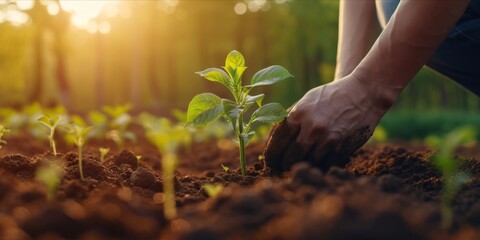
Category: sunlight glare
<point>104,27</point>
<point>240,8</point>
<point>53,8</point>
<point>83,11</point>
<point>25,4</point>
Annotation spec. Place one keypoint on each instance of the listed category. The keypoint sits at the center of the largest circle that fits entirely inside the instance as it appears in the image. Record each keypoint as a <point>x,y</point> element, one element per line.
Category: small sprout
<point>51,121</point>
<point>120,120</point>
<point>207,107</point>
<point>225,168</point>
<point>138,160</point>
<point>103,153</point>
<point>80,137</point>
<point>50,175</point>
<point>213,189</point>
<point>444,161</point>
<point>168,139</point>
<point>3,130</point>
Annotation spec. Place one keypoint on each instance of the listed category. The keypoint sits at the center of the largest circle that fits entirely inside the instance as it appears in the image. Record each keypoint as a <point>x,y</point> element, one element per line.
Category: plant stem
<point>168,165</point>
<point>80,168</point>
<point>241,145</point>
<point>52,142</point>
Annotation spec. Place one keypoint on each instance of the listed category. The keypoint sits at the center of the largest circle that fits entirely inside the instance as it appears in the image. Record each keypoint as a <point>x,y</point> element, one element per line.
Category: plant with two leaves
<point>119,122</point>
<point>51,122</point>
<point>50,174</point>
<point>213,190</point>
<point>103,153</point>
<point>207,107</point>
<point>445,162</point>
<point>3,130</point>
<point>80,136</point>
<point>169,139</point>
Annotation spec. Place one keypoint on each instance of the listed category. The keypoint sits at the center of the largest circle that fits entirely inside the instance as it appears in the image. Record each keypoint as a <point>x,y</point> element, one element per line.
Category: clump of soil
<point>385,192</point>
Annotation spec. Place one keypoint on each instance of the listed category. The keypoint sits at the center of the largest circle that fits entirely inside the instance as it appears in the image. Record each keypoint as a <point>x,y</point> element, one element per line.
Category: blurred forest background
<point>86,54</point>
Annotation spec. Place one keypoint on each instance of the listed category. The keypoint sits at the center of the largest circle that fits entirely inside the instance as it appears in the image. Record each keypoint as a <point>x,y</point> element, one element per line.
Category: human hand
<point>328,124</point>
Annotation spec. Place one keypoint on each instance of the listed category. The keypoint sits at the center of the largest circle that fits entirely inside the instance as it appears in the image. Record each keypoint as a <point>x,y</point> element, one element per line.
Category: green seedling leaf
<point>213,190</point>
<point>269,113</point>
<point>235,67</point>
<point>203,109</point>
<point>217,75</point>
<point>117,111</point>
<point>3,130</point>
<point>255,99</point>
<point>103,153</point>
<point>225,168</point>
<point>269,76</point>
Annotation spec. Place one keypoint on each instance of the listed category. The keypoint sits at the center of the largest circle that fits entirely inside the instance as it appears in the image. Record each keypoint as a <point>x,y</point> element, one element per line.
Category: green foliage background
<point>149,59</point>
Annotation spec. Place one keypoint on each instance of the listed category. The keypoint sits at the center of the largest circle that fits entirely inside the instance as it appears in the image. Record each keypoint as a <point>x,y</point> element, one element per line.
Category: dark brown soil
<point>385,192</point>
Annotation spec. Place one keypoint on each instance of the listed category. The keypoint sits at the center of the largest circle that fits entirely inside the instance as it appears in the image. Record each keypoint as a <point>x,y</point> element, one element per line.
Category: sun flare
<point>82,11</point>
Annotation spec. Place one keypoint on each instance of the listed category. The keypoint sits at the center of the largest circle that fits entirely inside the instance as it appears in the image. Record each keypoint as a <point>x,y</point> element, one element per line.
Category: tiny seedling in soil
<point>138,160</point>
<point>120,120</point>
<point>103,153</point>
<point>445,162</point>
<point>207,107</point>
<point>213,189</point>
<point>80,137</point>
<point>3,130</point>
<point>225,168</point>
<point>50,175</point>
<point>51,121</point>
<point>168,140</point>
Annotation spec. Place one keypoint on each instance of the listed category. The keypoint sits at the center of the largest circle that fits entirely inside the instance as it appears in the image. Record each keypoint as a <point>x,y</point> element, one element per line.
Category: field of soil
<point>385,192</point>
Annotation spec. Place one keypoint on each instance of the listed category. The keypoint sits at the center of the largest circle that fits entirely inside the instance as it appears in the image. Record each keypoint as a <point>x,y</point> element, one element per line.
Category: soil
<point>385,192</point>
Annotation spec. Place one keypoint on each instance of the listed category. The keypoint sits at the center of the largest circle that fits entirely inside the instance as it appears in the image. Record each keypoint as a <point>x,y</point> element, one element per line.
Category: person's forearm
<point>410,38</point>
<point>357,21</point>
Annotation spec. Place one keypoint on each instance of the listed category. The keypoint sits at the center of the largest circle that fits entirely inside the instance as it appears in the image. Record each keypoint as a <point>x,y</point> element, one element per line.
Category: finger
<point>281,136</point>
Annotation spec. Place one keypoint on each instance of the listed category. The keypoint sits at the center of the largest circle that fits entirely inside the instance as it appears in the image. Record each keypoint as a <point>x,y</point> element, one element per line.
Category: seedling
<point>103,153</point>
<point>50,175</point>
<point>3,130</point>
<point>207,107</point>
<point>168,140</point>
<point>138,160</point>
<point>213,190</point>
<point>80,137</point>
<point>51,121</point>
<point>225,168</point>
<point>120,120</point>
<point>444,161</point>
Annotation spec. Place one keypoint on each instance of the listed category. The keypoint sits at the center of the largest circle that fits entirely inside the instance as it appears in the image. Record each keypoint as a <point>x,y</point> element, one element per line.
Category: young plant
<point>444,161</point>
<point>50,175</point>
<point>3,130</point>
<point>103,153</point>
<point>79,138</point>
<point>168,140</point>
<point>225,168</point>
<point>120,120</point>
<point>138,160</point>
<point>213,190</point>
<point>51,121</point>
<point>207,107</point>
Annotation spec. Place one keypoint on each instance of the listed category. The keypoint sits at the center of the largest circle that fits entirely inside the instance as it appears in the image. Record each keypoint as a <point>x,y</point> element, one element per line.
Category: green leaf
<point>232,112</point>
<point>235,59</point>
<point>235,67</point>
<point>216,75</point>
<point>247,136</point>
<point>204,108</point>
<point>269,76</point>
<point>256,99</point>
<point>269,113</point>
